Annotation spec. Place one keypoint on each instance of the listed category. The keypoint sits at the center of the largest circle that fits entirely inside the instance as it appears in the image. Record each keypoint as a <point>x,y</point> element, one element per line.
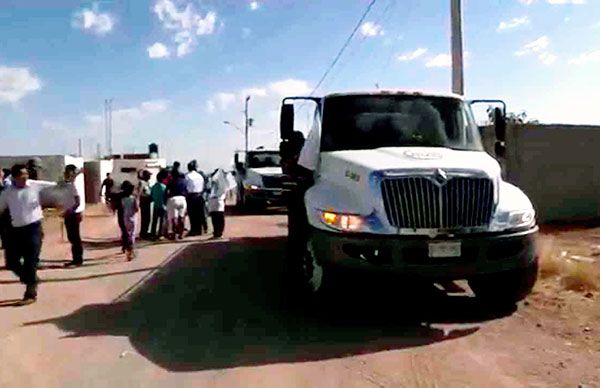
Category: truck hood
<point>401,158</point>
<point>266,171</point>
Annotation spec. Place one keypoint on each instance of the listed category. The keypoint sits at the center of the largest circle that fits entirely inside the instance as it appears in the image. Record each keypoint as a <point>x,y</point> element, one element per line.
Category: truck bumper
<point>480,254</point>
<point>267,196</point>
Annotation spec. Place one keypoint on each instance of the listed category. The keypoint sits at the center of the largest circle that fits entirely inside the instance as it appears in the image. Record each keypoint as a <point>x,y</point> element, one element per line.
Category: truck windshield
<point>264,159</point>
<point>369,122</point>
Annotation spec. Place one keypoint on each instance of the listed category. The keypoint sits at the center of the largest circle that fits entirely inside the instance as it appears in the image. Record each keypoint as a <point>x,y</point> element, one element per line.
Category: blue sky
<point>176,69</point>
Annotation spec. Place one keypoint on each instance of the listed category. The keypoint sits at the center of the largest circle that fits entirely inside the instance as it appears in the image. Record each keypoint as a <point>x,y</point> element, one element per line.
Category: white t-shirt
<point>194,182</point>
<point>24,203</point>
<point>69,192</point>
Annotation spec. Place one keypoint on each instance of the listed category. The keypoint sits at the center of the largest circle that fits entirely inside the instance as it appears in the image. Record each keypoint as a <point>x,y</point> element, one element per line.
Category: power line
<point>339,54</point>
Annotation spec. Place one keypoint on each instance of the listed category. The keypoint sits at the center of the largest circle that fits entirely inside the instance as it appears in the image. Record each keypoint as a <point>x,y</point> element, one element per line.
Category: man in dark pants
<point>144,192</point>
<point>23,201</point>
<point>73,209</point>
<point>194,183</point>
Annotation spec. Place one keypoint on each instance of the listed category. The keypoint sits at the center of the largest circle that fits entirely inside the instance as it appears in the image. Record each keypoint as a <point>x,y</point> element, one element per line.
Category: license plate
<point>445,249</point>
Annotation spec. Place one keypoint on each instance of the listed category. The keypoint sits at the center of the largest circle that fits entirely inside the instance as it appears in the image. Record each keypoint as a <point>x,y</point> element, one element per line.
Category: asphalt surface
<point>218,313</point>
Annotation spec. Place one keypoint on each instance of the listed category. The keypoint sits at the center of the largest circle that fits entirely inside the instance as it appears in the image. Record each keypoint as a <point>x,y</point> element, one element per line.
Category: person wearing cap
<point>73,214</point>
<point>195,201</point>
<point>145,194</point>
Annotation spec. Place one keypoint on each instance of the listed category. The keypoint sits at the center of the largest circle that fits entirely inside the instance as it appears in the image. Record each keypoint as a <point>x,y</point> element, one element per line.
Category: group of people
<point>21,199</point>
<point>164,206</point>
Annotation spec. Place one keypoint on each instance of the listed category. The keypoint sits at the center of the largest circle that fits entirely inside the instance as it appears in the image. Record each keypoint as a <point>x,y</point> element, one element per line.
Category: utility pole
<point>80,147</point>
<point>108,125</point>
<point>110,149</point>
<point>458,84</point>
<point>246,124</point>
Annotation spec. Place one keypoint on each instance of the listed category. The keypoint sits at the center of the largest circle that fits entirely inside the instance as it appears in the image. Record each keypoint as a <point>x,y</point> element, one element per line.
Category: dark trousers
<point>159,216</point>
<point>145,205</point>
<point>73,223</point>
<point>122,228</point>
<point>218,221</point>
<point>195,205</point>
<point>26,244</point>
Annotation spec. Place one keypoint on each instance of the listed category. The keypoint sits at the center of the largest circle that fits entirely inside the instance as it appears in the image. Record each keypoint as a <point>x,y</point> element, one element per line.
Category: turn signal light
<point>344,222</point>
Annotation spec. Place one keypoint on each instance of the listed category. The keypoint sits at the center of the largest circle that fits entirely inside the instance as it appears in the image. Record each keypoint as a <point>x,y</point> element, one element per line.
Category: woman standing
<point>176,204</point>
<point>129,202</point>
<point>220,185</point>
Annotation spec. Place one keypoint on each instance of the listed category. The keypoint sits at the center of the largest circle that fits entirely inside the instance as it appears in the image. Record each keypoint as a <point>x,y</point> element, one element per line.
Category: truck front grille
<point>419,203</point>
<point>272,181</point>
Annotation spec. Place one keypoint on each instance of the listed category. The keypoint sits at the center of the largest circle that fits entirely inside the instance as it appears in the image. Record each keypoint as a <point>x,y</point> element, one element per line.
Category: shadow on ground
<point>224,304</point>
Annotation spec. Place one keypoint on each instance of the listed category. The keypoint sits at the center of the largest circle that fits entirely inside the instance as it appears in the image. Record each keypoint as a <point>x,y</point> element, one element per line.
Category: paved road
<point>204,313</point>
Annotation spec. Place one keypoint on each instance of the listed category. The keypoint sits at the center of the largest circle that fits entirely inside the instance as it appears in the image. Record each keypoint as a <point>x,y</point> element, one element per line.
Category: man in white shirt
<point>73,210</point>
<point>23,201</point>
<point>194,182</point>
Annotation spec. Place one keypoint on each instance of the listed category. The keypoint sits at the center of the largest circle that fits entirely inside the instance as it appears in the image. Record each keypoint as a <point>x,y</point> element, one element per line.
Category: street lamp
<point>233,125</point>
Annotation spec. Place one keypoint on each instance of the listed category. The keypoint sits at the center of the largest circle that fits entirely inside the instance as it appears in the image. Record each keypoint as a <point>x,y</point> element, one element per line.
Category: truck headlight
<point>521,218</point>
<point>251,187</point>
<point>344,222</point>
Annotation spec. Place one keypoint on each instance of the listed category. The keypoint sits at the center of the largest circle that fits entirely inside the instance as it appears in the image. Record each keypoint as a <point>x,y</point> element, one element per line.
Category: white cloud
<point>185,43</point>
<point>586,58</point>
<point>440,60</point>
<point>555,2</point>
<point>185,23</point>
<point>16,83</point>
<point>254,92</point>
<point>93,21</point>
<point>225,99</point>
<point>579,2</point>
<point>155,106</point>
<point>513,23</point>
<point>290,87</point>
<point>246,33</point>
<point>547,58</point>
<point>206,26</point>
<point>371,29</point>
<point>538,45</point>
<point>158,50</point>
<point>254,5</point>
<point>210,106</point>
<point>595,26</point>
<point>412,55</point>
<point>93,119</point>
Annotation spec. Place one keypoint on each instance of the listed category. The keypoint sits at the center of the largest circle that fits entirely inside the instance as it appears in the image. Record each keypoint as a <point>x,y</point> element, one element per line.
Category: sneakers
<point>72,264</point>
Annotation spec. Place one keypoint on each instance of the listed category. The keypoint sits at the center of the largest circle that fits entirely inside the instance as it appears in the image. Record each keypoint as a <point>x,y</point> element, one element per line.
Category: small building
<point>122,168</point>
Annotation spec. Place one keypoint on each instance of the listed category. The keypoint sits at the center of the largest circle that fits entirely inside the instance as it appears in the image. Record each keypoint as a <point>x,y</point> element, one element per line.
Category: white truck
<point>400,182</point>
<point>259,179</point>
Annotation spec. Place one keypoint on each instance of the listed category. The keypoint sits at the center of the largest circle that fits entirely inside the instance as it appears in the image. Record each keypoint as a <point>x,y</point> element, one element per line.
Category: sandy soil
<point>206,313</point>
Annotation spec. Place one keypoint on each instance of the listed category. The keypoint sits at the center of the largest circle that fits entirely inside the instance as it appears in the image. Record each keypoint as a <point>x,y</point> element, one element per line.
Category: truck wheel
<point>313,272</point>
<point>506,288</point>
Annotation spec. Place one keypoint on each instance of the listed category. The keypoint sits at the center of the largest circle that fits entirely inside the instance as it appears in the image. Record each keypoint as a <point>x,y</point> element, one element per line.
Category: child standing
<point>129,202</point>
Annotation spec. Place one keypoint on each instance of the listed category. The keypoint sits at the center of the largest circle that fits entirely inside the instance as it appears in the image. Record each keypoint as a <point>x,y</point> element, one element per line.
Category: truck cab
<point>401,183</point>
<point>259,178</point>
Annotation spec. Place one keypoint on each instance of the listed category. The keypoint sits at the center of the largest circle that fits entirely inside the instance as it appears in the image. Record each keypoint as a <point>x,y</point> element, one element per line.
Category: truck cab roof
<point>387,92</point>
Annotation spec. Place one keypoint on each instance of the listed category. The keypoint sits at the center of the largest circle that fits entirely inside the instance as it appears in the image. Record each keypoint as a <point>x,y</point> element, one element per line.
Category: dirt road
<point>203,313</point>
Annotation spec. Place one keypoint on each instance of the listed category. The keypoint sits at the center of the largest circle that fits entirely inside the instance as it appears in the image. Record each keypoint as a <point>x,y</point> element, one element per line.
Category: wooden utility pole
<point>458,84</point>
<point>246,124</point>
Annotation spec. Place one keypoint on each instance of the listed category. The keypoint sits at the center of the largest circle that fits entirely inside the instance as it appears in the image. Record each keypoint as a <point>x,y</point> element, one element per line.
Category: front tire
<point>505,288</point>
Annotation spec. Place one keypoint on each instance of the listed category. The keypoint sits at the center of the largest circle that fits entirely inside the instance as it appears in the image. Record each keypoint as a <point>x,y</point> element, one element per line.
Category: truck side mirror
<point>500,149</point>
<point>500,125</point>
<point>286,124</point>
